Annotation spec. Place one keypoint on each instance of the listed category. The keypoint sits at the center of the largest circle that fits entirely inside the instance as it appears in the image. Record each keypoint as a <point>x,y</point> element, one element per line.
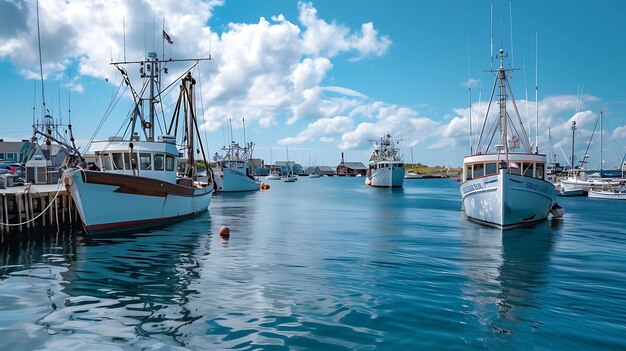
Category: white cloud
<point>319,128</point>
<point>471,82</point>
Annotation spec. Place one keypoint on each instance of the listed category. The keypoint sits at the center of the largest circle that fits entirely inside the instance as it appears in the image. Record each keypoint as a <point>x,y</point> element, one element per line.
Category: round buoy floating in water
<point>267,186</point>
<point>368,181</point>
<point>224,232</point>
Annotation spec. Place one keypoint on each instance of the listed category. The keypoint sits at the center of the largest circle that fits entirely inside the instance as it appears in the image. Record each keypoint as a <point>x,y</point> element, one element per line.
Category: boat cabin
<point>386,164</point>
<point>157,160</point>
<point>527,165</point>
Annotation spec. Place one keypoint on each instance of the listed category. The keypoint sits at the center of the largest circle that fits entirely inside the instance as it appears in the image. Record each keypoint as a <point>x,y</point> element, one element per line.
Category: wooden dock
<point>35,206</point>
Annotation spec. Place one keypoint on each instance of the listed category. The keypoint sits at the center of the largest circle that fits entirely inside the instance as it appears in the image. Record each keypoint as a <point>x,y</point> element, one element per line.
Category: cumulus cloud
<point>320,128</point>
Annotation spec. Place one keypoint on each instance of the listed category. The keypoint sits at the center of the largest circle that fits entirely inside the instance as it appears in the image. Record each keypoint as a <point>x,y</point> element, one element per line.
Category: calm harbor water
<point>324,264</point>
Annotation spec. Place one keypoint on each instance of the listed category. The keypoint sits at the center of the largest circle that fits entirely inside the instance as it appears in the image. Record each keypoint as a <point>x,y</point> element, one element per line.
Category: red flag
<point>167,38</point>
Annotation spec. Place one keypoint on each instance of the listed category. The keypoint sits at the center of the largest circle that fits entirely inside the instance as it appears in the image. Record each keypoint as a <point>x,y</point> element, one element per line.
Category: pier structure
<point>32,206</point>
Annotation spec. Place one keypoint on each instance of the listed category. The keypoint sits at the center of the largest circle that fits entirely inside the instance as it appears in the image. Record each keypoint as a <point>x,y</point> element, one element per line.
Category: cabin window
<point>169,163</point>
<point>400,164</point>
<point>539,171</point>
<point>528,169</point>
<point>145,161</point>
<point>158,162</point>
<point>118,162</point>
<point>491,168</point>
<point>106,162</point>
<point>479,170</point>
<point>130,160</point>
<point>468,172</point>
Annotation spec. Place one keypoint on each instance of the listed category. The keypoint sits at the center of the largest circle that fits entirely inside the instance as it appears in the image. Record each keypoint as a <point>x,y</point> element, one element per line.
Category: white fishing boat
<point>503,187</point>
<point>235,172</point>
<point>617,192</point>
<point>386,168</point>
<point>141,183</point>
<point>579,181</point>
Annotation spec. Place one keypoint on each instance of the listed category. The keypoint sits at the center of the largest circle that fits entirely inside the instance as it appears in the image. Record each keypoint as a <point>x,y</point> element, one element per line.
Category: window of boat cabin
<point>539,170</point>
<point>527,169</point>
<point>400,164</point>
<point>491,168</point>
<point>130,160</point>
<point>169,163</point>
<point>158,162</point>
<point>118,162</point>
<point>106,162</point>
<point>479,170</point>
<point>468,172</point>
<point>145,161</point>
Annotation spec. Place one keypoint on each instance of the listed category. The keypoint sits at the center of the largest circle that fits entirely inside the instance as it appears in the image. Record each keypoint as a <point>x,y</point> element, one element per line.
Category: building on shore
<point>350,168</point>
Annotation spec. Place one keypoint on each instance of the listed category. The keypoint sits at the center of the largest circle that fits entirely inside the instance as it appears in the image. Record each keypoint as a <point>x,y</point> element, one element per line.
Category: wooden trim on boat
<point>137,185</point>
<point>132,225</point>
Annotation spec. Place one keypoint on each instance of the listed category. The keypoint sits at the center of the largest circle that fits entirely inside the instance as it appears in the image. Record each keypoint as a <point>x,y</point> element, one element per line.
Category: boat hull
<point>109,202</point>
<point>392,176</point>
<point>506,200</point>
<point>235,181</point>
<point>575,187</point>
<point>609,195</point>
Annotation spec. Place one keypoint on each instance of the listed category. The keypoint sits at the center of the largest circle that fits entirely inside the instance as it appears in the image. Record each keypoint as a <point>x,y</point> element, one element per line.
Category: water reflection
<point>507,270</point>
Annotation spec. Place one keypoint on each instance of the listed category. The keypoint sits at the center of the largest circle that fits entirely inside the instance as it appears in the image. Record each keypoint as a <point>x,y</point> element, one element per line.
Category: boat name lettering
<point>537,187</point>
<point>472,187</point>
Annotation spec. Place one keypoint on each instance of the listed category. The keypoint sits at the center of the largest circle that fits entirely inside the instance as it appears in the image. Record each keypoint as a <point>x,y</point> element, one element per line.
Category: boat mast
<point>573,130</point>
<point>601,160</point>
<point>502,105</point>
<point>152,66</point>
<point>188,83</point>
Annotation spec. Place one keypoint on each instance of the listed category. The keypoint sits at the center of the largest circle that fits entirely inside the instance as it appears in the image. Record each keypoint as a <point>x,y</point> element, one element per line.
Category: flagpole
<point>163,41</point>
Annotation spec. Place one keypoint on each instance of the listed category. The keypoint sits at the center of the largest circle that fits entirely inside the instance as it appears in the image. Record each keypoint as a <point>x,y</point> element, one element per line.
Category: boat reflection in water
<point>507,271</point>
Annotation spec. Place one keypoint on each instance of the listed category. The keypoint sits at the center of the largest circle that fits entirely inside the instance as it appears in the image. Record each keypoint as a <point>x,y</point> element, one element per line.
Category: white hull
<point>273,177</point>
<point>104,207</point>
<point>234,181</point>
<point>507,201</point>
<point>576,186</point>
<point>604,194</point>
<point>392,176</point>
<point>315,176</point>
<point>410,175</point>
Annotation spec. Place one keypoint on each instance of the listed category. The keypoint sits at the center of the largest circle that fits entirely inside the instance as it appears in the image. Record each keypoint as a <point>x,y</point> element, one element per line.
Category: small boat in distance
<point>410,174</point>
<point>289,177</point>
<point>608,193</point>
<point>502,187</point>
<point>141,183</point>
<point>386,168</point>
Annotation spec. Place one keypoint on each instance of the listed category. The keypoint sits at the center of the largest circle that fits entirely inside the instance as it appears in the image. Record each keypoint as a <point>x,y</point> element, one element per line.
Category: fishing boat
<point>578,180</point>
<point>386,168</point>
<point>235,171</point>
<point>142,183</point>
<point>503,186</point>
<point>608,192</point>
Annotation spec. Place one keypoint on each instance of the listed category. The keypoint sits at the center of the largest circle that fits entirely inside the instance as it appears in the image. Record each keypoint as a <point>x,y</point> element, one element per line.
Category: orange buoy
<point>267,186</point>
<point>224,232</point>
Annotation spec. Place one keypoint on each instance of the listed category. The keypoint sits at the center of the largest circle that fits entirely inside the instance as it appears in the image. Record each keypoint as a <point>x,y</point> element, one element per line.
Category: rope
<point>28,188</point>
<point>39,215</point>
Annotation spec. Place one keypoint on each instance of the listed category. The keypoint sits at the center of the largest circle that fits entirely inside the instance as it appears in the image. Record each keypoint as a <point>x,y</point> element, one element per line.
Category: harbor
<point>408,271</point>
<point>214,175</point>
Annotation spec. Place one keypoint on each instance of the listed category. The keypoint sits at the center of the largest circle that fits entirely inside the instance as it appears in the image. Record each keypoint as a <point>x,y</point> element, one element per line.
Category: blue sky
<point>322,77</point>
